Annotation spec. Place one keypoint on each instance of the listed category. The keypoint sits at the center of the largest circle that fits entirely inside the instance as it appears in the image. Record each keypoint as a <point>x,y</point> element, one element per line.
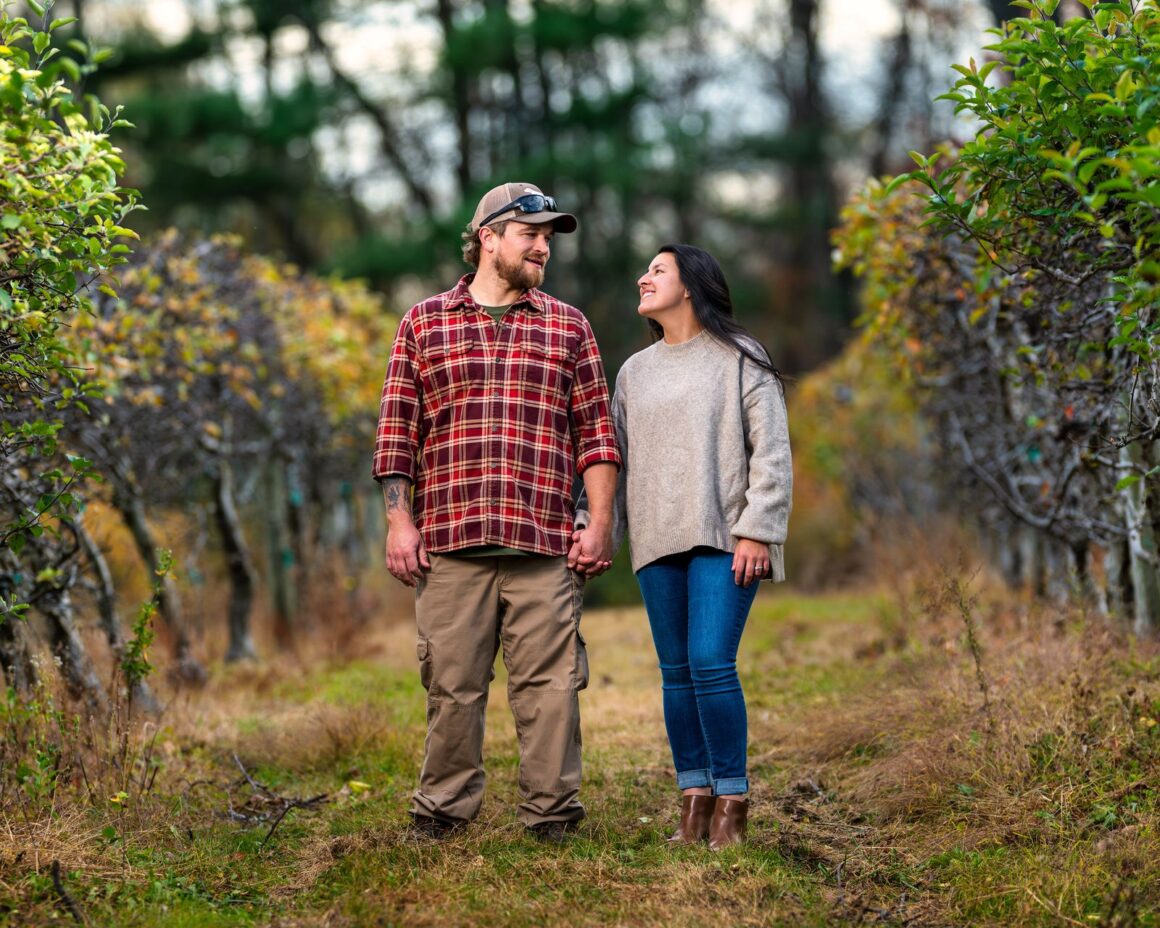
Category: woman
<point>706,489</point>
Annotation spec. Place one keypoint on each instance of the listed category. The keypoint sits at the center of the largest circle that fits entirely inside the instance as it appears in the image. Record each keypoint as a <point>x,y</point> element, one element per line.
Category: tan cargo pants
<point>466,608</point>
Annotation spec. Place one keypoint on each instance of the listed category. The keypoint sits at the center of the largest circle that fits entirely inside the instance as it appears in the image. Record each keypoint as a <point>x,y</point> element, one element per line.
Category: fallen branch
<point>69,902</point>
<point>276,807</point>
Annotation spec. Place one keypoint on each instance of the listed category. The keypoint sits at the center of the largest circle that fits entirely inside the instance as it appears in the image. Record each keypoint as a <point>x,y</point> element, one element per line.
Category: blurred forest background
<point>356,138</point>
<point>297,173</point>
<point>212,215</point>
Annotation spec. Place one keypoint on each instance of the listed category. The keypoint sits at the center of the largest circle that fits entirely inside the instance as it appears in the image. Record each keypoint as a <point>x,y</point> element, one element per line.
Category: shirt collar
<point>461,296</point>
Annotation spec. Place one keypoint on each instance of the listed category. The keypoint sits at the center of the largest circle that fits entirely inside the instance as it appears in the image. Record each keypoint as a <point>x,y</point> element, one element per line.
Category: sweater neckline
<point>686,345</point>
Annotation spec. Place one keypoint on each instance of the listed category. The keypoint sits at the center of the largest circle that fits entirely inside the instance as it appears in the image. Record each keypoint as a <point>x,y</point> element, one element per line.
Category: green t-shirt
<point>496,312</point>
<point>490,551</point>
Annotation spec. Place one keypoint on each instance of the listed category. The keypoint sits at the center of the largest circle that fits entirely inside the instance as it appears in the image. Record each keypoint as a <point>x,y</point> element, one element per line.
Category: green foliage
<point>1063,177</point>
<point>876,781</point>
<point>60,206</point>
<point>135,655</point>
<point>32,753</point>
<point>859,456</point>
<point>205,345</point>
<point>1024,307</point>
<point>61,212</point>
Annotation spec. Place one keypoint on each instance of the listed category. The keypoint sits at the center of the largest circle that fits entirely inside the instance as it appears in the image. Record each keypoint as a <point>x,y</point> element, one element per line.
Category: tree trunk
<point>1142,553</point>
<point>240,566</point>
<point>15,661</point>
<point>1030,561</point>
<point>811,201</point>
<point>1003,10</point>
<point>1118,579</point>
<point>296,522</point>
<point>883,155</point>
<point>1083,554</point>
<point>1006,553</point>
<point>76,666</point>
<point>188,668</point>
<point>280,552</point>
<point>1057,569</point>
<point>140,694</point>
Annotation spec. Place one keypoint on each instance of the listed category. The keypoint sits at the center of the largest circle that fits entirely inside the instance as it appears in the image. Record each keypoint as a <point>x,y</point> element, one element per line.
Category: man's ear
<point>488,239</point>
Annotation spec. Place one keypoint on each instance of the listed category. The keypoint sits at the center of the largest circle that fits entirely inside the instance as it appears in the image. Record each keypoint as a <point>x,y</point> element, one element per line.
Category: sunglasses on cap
<point>528,203</point>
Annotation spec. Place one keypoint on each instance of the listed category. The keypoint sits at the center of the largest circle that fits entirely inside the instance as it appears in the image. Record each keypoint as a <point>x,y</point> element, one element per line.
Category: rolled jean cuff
<point>692,779</point>
<point>732,786</point>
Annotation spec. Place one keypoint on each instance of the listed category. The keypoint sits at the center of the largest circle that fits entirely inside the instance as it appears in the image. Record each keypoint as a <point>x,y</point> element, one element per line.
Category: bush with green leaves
<point>61,211</point>
<point>1028,306</point>
<point>60,214</point>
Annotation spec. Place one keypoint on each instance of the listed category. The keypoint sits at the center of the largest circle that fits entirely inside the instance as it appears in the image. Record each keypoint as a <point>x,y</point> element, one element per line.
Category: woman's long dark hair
<point>702,276</point>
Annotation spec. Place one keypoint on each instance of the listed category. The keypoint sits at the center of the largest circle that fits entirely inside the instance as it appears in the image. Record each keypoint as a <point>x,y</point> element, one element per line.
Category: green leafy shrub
<point>1025,310</point>
<point>60,214</point>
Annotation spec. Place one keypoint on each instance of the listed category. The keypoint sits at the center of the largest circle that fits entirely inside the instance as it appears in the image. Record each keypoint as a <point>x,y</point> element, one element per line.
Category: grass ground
<point>910,768</point>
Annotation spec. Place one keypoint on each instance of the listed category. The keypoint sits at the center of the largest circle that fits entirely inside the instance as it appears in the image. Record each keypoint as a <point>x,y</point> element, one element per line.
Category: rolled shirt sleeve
<point>593,435</point>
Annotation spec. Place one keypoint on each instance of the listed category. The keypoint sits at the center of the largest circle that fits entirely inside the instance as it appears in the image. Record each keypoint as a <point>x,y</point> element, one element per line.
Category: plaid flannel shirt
<point>490,423</point>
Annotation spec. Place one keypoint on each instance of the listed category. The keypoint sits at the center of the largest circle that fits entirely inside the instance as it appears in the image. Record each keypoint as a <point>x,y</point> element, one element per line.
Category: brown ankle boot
<point>694,825</point>
<point>728,823</point>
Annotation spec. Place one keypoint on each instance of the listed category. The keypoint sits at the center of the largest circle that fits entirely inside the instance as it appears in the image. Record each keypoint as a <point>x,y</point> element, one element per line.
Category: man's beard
<point>518,275</point>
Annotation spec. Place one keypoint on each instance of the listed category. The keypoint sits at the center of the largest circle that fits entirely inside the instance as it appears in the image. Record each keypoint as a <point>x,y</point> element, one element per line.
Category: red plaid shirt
<point>490,425</point>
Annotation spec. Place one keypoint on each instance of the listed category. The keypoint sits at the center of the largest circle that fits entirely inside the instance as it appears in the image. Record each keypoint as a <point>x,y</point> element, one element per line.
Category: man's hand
<point>406,554</point>
<point>750,561</point>
<point>591,551</point>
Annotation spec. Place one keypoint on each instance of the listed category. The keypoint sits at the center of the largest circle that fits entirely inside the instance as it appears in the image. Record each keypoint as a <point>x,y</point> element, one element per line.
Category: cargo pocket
<point>580,671</point>
<point>423,652</point>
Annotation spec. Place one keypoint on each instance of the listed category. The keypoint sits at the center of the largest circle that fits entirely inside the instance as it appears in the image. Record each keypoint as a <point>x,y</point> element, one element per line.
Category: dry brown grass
<point>916,765</point>
<point>883,791</point>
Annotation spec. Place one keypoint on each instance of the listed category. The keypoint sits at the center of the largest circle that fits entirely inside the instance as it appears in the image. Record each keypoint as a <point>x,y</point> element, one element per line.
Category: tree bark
<point>460,102</point>
<point>77,668</point>
<point>883,152</point>
<point>1057,565</point>
<point>188,668</point>
<point>1118,579</point>
<point>280,553</point>
<point>239,565</point>
<point>15,661</point>
<point>1030,559</point>
<point>140,694</point>
<point>1141,548</point>
<point>1083,555</point>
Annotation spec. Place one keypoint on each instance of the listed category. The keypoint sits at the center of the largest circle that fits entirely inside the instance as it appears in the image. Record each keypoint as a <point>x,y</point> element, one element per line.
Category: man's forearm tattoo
<point>397,494</point>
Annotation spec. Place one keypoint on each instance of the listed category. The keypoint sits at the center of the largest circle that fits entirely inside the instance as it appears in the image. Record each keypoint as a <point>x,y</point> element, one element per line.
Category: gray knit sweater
<point>705,450</point>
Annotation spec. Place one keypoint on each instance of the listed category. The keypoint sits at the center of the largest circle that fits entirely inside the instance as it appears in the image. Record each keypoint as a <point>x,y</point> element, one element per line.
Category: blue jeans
<point>697,614</point>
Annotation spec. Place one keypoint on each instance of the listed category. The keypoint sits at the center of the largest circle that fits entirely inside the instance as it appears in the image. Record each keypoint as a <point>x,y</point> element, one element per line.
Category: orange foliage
<point>858,445</point>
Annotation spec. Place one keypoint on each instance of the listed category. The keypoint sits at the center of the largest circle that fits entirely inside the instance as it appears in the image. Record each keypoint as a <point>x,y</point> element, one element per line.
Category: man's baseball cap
<point>522,202</point>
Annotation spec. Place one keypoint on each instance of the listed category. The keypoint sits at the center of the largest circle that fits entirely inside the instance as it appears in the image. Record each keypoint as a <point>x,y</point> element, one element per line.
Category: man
<point>494,398</point>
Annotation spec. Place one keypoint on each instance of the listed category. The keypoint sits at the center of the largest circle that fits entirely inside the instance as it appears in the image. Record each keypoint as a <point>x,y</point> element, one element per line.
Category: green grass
<point>881,794</point>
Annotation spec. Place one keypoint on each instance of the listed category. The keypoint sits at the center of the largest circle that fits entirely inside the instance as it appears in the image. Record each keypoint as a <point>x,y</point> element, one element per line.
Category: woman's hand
<point>750,561</point>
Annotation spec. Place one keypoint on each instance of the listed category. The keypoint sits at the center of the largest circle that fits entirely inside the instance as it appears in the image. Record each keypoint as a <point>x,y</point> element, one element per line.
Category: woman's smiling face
<point>660,287</point>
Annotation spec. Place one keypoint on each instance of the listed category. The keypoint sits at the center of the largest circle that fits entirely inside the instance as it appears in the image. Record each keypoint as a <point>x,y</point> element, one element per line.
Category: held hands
<point>406,554</point>
<point>591,551</point>
<point>750,562</point>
